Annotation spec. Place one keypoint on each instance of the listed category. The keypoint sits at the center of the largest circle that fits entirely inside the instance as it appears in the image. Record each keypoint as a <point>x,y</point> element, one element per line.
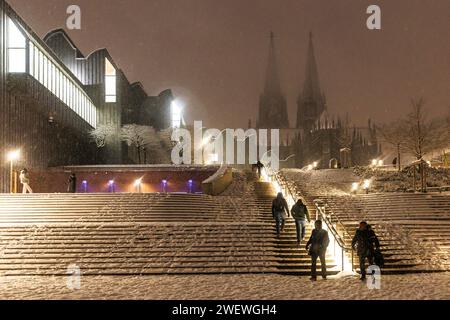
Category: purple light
<point>164,182</point>
<point>84,182</point>
<point>190,182</point>
<point>111,182</point>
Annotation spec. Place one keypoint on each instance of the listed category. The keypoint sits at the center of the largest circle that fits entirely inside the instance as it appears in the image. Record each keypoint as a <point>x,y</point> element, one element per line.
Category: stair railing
<point>273,176</point>
<point>327,216</point>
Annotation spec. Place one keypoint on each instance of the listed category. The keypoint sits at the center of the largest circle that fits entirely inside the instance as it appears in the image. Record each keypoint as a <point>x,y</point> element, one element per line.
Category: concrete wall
<point>55,180</point>
<point>218,182</point>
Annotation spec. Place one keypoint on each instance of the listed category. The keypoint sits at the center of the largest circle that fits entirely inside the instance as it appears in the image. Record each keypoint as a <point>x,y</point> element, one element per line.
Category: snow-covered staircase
<point>120,234</point>
<point>414,229</point>
<point>43,234</point>
<point>293,259</point>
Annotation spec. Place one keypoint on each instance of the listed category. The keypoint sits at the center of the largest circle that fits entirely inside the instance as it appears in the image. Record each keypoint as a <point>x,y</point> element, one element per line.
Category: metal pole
<point>11,188</point>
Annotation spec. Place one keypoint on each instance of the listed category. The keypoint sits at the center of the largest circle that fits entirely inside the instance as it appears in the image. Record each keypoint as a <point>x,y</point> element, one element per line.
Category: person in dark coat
<point>300,213</point>
<point>365,241</point>
<point>317,248</point>
<point>72,184</point>
<point>279,208</point>
<point>259,167</point>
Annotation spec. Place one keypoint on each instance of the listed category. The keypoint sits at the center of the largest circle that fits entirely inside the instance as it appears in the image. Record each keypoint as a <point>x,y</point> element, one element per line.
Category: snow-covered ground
<point>211,287</point>
<point>394,181</point>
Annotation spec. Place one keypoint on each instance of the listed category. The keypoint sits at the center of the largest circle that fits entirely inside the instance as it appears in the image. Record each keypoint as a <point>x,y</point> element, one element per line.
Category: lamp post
<point>12,156</point>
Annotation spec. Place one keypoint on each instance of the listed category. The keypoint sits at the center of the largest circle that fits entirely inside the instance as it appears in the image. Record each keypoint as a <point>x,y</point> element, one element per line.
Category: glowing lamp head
<point>138,182</point>
<point>84,182</point>
<point>111,182</point>
<point>374,162</point>
<point>380,163</point>
<point>366,184</point>
<point>190,182</point>
<point>13,155</point>
<point>164,182</point>
<point>310,167</point>
<point>355,186</point>
<point>315,164</point>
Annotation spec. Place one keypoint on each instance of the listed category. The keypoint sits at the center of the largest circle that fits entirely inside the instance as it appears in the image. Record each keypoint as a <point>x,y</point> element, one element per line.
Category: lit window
<point>17,49</point>
<point>110,82</point>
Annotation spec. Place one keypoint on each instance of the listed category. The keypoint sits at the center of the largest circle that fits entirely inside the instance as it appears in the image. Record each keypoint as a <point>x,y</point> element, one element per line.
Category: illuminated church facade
<point>317,137</point>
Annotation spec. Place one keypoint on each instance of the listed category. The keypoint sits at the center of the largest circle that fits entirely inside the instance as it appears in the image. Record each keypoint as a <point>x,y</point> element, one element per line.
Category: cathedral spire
<point>272,103</point>
<point>311,101</point>
<point>272,82</point>
<point>311,86</point>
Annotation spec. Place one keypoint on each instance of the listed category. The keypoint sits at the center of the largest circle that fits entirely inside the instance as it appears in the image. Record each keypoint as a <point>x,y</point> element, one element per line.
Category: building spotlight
<point>176,113</point>
<point>380,163</point>
<point>164,185</point>
<point>310,167</point>
<point>111,185</point>
<point>138,184</point>
<point>374,162</point>
<point>84,185</point>
<point>315,164</point>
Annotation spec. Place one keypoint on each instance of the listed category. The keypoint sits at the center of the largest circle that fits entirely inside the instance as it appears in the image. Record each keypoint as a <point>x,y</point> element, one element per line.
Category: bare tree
<point>101,134</point>
<point>141,137</point>
<point>420,135</point>
<point>392,134</point>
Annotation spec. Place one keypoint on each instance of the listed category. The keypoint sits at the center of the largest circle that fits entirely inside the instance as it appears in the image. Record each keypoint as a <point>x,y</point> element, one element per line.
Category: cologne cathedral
<point>329,141</point>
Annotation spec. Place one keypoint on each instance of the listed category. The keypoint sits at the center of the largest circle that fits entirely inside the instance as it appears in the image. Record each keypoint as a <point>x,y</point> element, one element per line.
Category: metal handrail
<point>321,209</point>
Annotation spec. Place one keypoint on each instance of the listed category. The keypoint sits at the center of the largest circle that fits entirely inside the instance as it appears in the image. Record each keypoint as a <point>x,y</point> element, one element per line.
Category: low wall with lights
<point>122,179</point>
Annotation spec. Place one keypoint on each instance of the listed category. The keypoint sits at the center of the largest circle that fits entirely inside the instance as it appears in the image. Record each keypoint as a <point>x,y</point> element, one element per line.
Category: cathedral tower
<point>311,102</point>
<point>272,103</point>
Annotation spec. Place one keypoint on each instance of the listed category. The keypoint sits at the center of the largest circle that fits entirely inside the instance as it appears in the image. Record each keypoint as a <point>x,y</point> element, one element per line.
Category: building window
<point>17,49</point>
<point>110,82</point>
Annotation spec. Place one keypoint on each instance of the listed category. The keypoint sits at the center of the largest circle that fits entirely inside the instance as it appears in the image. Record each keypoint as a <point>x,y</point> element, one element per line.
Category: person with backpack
<point>367,245</point>
<point>25,181</point>
<point>300,213</point>
<point>279,208</point>
<point>317,247</point>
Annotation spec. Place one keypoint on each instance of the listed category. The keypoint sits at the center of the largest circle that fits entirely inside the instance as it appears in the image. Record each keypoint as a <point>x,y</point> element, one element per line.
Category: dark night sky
<point>213,53</point>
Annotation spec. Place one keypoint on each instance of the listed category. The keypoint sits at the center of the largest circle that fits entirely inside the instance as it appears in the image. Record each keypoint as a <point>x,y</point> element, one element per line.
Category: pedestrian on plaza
<point>300,214</point>
<point>366,243</point>
<point>72,183</point>
<point>317,247</point>
<point>259,166</point>
<point>279,209</point>
<point>25,181</point>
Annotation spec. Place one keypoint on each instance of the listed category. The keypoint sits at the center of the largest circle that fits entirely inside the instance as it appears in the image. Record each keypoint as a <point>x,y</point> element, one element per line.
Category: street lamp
<point>355,186</point>
<point>12,156</point>
<point>367,185</point>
